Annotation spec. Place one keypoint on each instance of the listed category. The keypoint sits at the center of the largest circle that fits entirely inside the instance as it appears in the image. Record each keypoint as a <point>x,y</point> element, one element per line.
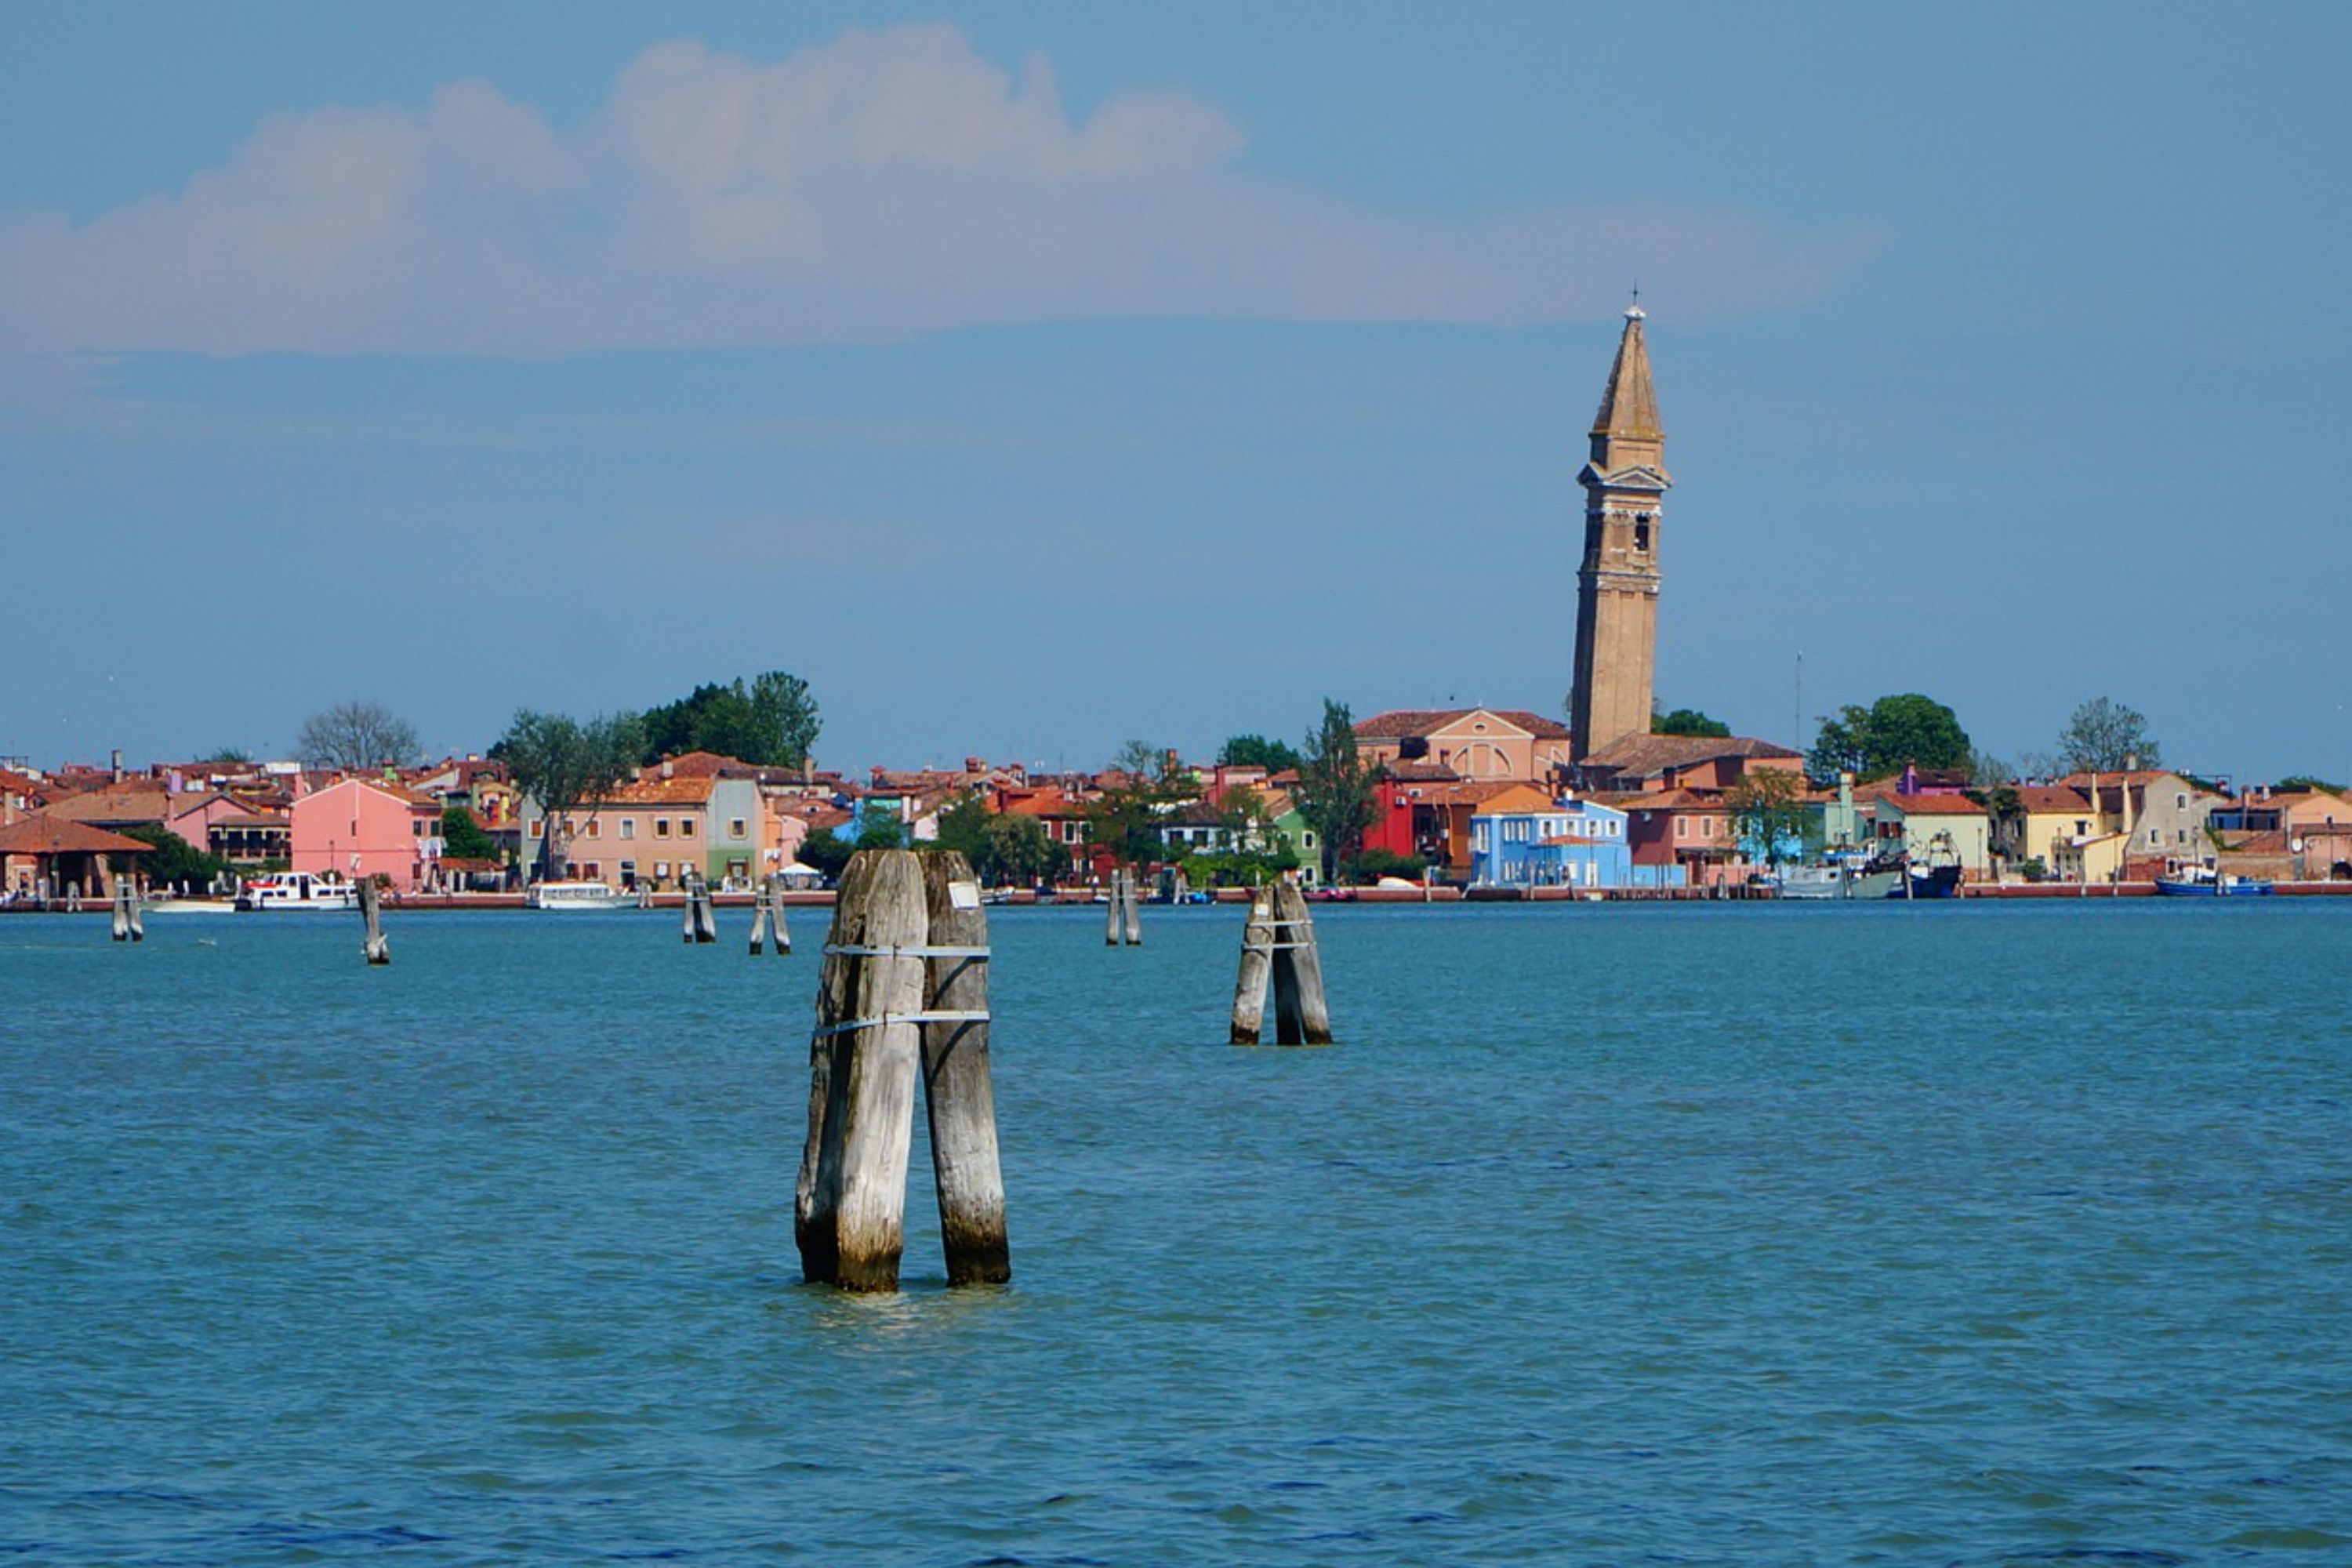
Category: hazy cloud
<point>884,184</point>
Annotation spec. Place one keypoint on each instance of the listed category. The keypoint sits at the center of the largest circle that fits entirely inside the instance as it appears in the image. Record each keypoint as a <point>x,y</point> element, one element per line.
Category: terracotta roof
<point>1669,800</point>
<point>2050,797</point>
<point>663,792</point>
<point>1934,804</point>
<point>1419,770</point>
<point>1646,754</point>
<point>692,766</point>
<point>142,799</point>
<point>58,836</point>
<point>1038,803</point>
<point>1402,723</point>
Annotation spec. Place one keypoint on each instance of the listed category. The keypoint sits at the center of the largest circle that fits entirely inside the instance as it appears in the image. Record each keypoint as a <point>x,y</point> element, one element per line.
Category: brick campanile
<point>1617,586</point>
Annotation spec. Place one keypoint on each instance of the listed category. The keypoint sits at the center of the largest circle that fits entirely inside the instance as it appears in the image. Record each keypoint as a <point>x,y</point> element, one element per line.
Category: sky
<point>1034,377</point>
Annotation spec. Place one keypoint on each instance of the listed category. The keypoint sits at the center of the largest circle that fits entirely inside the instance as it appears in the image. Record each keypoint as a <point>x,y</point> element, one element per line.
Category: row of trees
<point>2101,735</point>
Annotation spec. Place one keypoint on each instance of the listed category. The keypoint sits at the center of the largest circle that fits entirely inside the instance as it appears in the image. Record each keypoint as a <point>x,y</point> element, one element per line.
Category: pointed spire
<point>1629,409</point>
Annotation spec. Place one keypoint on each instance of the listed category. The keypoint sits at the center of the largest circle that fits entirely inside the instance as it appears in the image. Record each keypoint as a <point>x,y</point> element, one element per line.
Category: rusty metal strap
<point>932,1016</point>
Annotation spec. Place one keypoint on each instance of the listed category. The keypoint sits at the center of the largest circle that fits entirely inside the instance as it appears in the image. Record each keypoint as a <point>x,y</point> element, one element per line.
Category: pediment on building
<point>1641,476</point>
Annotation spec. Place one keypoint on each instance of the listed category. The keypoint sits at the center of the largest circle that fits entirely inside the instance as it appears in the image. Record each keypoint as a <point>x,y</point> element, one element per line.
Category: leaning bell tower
<point>1617,585</point>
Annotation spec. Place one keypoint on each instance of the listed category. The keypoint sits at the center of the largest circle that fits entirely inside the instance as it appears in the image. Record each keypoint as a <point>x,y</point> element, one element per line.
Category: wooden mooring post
<point>129,923</point>
<point>898,990</point>
<point>699,925</point>
<point>1278,943</point>
<point>768,916</point>
<point>1123,925</point>
<point>378,947</point>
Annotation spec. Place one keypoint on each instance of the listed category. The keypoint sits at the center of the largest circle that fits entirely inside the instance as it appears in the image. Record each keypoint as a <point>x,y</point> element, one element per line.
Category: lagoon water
<point>1962,1234</point>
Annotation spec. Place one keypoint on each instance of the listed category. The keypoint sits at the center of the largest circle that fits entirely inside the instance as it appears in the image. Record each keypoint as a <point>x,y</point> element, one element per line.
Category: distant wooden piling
<point>122,909</point>
<point>1257,959</point>
<point>378,947</point>
<point>958,1094</point>
<point>768,917</point>
<point>1122,923</point>
<point>699,923</point>
<point>849,1207</point>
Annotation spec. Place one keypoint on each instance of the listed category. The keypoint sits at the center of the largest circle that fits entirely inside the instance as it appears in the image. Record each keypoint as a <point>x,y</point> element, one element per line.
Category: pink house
<point>362,828</point>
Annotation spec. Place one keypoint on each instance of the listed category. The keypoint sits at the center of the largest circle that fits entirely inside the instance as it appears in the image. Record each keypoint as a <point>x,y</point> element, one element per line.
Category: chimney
<point>2131,761</point>
<point>669,768</point>
<point>974,766</point>
<point>114,765</point>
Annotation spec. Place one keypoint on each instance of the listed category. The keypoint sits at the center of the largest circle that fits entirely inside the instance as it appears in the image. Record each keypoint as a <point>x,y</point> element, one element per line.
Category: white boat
<point>296,890</point>
<point>1839,875</point>
<point>578,896</point>
<point>189,906</point>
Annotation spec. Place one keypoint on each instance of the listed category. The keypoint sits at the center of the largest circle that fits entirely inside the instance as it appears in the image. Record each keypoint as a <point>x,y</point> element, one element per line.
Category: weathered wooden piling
<point>378,947</point>
<point>698,924</point>
<point>1257,959</point>
<point>1122,923</point>
<point>958,1094</point>
<point>122,909</point>
<point>1301,1015</point>
<point>1134,913</point>
<point>768,916</point>
<point>850,1203</point>
<point>1279,944</point>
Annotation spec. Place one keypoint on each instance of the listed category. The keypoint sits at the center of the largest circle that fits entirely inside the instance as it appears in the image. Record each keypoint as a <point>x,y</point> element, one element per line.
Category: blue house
<point>1565,844</point>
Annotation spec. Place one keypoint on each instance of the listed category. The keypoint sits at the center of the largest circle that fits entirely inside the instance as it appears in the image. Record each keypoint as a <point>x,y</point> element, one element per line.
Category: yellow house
<point>2059,825</point>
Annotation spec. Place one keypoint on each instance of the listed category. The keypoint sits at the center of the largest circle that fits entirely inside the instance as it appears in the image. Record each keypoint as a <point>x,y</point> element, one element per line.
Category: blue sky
<point>1034,377</point>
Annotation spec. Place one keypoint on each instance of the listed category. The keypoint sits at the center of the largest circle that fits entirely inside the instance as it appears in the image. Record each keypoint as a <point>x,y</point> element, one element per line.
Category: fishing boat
<point>1839,875</point>
<point>577,896</point>
<point>1937,875</point>
<point>2206,882</point>
<point>296,890</point>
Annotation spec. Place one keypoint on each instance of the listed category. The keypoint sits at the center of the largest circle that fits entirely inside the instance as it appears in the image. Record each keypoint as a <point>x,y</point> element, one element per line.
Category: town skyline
<point>1945,351</point>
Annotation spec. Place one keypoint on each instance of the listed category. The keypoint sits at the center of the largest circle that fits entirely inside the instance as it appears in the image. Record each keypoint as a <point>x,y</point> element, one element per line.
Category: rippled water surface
<point>1964,1234</point>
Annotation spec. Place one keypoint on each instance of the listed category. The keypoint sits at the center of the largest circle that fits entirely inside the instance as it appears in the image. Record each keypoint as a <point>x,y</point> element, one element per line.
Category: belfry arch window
<point>1642,533</point>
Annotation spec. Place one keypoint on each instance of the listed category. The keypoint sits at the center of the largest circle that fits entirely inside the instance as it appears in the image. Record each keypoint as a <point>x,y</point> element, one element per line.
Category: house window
<point>1682,828</point>
<point>417,827</point>
<point>2180,803</point>
<point>661,827</point>
<point>661,870</point>
<point>595,827</point>
<point>537,827</point>
<point>736,827</point>
<point>2156,835</point>
<point>685,828</point>
<point>629,828</point>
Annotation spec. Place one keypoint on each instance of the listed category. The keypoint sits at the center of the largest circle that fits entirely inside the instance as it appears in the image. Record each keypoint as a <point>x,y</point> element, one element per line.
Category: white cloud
<point>884,184</point>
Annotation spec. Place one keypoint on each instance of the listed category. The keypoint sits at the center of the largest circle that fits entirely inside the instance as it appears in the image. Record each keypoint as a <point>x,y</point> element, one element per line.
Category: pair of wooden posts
<point>905,986</point>
<point>1278,945</point>
<point>769,916</point>
<point>1126,922</point>
<point>701,924</point>
<point>130,917</point>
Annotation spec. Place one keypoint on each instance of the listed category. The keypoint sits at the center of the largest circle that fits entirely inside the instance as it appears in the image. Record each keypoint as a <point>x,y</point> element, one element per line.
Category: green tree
<point>880,832</point>
<point>1335,786</point>
<point>1688,721</point>
<point>2103,736</point>
<point>1769,816</point>
<point>827,851</point>
<point>1257,752</point>
<point>772,721</point>
<point>463,837</point>
<point>1019,850</point>
<point>227,755</point>
<point>564,764</point>
<point>2296,782</point>
<point>175,859</point>
<point>963,828</point>
<point>1874,742</point>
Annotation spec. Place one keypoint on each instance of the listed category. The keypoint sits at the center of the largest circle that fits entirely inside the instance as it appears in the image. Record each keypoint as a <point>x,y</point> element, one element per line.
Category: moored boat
<point>296,890</point>
<point>2206,882</point>
<point>578,896</point>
